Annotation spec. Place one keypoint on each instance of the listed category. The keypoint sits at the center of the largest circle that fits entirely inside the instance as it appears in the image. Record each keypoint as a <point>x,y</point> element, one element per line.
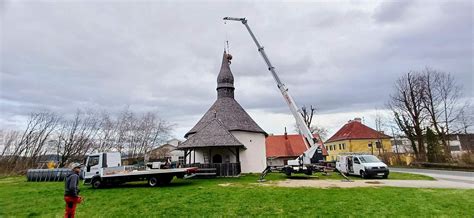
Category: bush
<point>466,158</point>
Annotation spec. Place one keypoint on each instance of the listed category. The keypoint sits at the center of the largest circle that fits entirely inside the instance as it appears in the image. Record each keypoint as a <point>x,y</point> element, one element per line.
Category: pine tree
<point>434,151</point>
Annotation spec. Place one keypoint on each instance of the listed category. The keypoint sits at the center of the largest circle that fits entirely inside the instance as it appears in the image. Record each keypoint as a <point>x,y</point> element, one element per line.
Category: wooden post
<point>210,158</point>
<point>189,157</point>
<point>194,151</point>
<point>237,155</point>
<point>185,155</point>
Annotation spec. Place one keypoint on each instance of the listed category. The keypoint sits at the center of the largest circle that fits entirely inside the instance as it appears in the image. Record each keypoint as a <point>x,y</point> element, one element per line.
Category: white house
<point>226,136</point>
<point>168,151</point>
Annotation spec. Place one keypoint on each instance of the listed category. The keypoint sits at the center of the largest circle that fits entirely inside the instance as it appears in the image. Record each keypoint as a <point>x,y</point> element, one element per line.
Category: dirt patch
<point>325,183</point>
<point>225,184</point>
<point>373,183</point>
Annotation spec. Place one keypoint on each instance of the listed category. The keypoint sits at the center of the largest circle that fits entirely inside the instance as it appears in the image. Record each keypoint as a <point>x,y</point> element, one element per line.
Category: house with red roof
<point>281,148</point>
<point>356,137</point>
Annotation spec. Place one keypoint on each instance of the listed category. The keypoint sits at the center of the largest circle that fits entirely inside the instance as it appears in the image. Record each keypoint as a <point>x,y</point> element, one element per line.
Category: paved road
<point>452,178</point>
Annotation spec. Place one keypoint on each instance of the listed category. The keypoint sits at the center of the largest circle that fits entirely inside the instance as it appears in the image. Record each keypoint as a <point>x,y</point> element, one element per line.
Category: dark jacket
<point>71,185</point>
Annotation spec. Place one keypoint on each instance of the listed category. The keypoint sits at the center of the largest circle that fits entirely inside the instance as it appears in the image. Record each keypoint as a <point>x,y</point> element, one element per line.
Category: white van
<point>363,165</point>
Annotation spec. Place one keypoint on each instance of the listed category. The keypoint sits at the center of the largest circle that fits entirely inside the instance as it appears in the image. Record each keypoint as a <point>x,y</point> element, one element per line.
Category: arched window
<point>217,158</point>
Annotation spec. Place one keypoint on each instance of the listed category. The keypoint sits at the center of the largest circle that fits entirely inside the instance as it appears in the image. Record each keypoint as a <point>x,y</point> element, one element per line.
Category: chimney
<point>286,134</point>
<point>358,119</point>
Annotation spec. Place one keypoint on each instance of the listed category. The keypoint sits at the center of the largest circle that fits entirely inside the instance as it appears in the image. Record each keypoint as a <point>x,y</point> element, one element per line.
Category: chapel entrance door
<point>217,158</point>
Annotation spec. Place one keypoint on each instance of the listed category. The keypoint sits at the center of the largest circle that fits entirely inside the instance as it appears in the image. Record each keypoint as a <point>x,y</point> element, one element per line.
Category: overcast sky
<point>342,57</point>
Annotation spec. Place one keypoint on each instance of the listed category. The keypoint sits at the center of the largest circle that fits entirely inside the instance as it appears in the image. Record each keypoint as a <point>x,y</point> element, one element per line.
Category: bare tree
<point>131,133</point>
<point>466,119</point>
<point>441,101</point>
<point>146,132</point>
<point>105,140</point>
<point>75,137</point>
<point>31,143</point>
<point>10,140</point>
<point>307,115</point>
<point>407,106</point>
<point>71,138</point>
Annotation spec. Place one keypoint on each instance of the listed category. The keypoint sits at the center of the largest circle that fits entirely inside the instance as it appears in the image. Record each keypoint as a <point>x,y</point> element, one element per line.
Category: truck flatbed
<point>148,172</point>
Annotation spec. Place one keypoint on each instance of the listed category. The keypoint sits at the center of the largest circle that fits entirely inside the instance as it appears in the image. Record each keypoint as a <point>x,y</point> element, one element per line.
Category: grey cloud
<point>391,11</point>
<point>165,56</point>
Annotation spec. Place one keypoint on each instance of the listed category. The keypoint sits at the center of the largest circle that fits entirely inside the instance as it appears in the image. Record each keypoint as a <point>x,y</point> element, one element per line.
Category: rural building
<point>354,136</point>
<point>281,148</point>
<point>459,144</point>
<point>168,152</point>
<point>226,137</point>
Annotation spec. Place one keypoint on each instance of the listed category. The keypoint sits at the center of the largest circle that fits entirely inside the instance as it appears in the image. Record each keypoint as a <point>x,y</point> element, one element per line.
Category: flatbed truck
<point>105,168</point>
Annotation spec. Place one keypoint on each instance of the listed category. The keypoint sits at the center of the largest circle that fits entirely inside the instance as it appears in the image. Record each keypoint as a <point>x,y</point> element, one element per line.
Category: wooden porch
<point>216,169</point>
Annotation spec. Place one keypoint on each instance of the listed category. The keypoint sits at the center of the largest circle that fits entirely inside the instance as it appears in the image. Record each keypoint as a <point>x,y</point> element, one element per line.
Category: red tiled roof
<point>290,146</point>
<point>356,130</point>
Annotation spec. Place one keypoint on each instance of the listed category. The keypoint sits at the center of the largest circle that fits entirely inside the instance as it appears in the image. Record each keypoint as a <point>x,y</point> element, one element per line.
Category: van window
<point>369,159</point>
<point>356,160</point>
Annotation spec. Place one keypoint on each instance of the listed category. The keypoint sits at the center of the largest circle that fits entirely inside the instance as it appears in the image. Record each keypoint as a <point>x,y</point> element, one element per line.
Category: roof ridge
<point>356,130</point>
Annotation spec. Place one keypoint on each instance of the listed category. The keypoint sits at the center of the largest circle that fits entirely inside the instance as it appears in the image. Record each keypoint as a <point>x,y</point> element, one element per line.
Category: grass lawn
<point>205,197</point>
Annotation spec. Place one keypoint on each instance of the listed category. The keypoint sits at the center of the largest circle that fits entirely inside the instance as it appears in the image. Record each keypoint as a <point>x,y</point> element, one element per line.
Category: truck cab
<point>95,163</point>
<point>363,165</point>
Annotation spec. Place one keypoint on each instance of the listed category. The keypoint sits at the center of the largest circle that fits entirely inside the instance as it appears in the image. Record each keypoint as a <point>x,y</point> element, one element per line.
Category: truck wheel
<point>96,183</point>
<point>152,181</point>
<point>363,175</point>
<point>165,180</point>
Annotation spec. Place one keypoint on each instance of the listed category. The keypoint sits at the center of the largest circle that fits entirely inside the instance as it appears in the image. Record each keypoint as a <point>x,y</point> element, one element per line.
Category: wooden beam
<point>189,156</point>
<point>185,155</point>
<point>210,158</point>
<point>237,156</point>
<point>231,151</point>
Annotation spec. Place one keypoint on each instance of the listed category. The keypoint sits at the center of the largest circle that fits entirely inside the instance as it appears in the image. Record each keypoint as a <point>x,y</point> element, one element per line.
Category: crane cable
<point>226,43</point>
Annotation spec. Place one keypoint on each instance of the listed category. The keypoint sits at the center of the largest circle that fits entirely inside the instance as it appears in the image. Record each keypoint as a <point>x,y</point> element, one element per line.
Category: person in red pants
<point>71,190</point>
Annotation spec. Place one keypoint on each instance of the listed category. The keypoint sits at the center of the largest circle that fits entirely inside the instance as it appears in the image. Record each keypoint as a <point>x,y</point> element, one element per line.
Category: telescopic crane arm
<point>304,130</point>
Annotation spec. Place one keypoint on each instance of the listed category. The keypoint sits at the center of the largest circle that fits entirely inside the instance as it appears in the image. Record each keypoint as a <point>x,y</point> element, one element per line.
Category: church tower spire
<point>225,79</point>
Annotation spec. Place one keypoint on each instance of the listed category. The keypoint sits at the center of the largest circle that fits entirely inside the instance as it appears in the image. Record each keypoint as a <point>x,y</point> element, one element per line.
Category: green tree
<point>434,149</point>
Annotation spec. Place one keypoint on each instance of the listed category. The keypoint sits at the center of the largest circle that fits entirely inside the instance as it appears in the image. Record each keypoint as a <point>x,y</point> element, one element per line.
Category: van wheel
<point>96,183</point>
<point>363,175</point>
<point>385,176</point>
<point>152,181</point>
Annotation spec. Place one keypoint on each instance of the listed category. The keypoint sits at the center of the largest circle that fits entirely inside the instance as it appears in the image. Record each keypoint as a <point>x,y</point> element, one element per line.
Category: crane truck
<point>307,162</point>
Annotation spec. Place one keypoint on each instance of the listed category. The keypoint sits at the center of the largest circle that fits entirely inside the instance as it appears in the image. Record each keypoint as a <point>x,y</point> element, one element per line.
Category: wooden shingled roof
<point>211,135</point>
<point>231,114</point>
<point>226,109</point>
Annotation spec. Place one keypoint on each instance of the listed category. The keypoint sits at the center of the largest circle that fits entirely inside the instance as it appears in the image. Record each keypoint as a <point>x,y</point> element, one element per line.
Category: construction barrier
<point>47,175</point>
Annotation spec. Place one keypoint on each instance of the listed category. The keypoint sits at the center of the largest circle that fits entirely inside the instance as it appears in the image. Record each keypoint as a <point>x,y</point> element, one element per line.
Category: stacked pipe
<point>47,175</point>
